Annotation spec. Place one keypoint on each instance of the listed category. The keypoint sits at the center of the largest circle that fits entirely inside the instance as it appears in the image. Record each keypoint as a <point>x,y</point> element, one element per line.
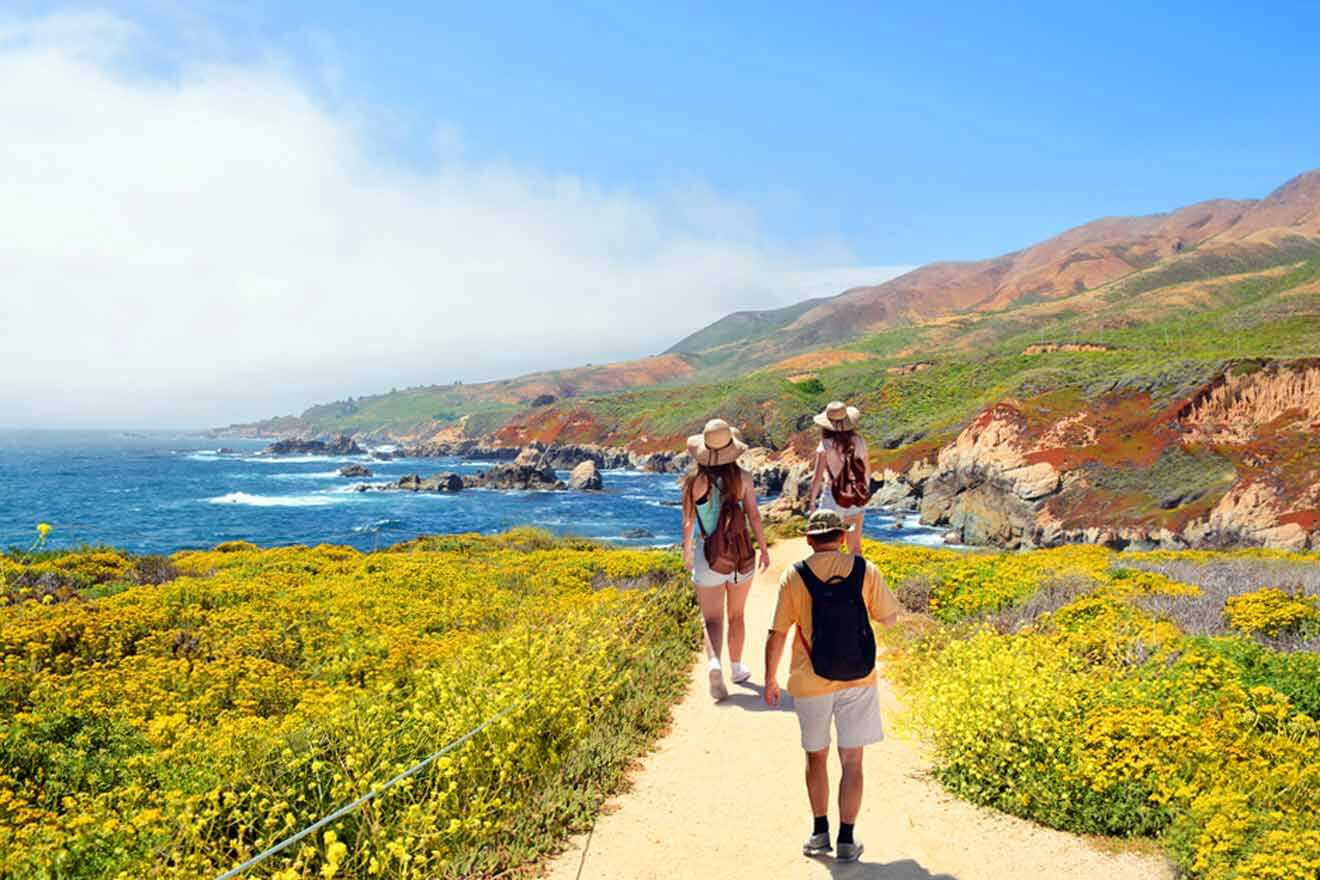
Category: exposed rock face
<point>472,449</point>
<point>1024,475</point>
<point>354,470</point>
<point>908,369</point>
<point>567,457</point>
<point>1236,409</point>
<point>558,456</point>
<point>662,462</point>
<point>790,476</point>
<point>517,476</point>
<point>442,482</point>
<point>585,477</point>
<point>341,445</point>
<point>530,457</point>
<point>1050,347</point>
<point>409,483</point>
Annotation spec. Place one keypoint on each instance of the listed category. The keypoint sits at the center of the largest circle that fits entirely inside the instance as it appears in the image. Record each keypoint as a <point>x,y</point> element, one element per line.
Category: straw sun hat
<point>838,417</point>
<point>717,444</point>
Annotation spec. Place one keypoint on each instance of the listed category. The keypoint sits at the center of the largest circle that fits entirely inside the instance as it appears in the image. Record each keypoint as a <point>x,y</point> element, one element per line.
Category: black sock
<point>845,832</point>
<point>821,825</point>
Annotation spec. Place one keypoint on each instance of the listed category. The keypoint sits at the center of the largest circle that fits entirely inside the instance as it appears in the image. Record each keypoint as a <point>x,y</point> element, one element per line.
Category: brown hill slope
<point>1082,258</point>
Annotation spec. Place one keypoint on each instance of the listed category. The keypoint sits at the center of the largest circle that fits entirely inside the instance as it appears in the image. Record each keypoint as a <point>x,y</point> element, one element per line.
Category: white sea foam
<point>246,499</point>
<point>928,539</point>
<point>377,526</point>
<point>315,475</point>
<point>288,459</point>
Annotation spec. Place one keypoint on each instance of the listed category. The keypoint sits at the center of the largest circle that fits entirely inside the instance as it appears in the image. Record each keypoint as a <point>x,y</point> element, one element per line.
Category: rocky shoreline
<point>1236,464</point>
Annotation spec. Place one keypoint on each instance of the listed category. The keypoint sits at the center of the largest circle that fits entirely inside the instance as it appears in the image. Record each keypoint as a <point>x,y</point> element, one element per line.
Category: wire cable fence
<point>452,745</point>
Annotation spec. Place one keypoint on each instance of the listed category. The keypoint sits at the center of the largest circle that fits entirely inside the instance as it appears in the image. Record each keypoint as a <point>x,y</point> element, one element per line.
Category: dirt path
<point>722,797</point>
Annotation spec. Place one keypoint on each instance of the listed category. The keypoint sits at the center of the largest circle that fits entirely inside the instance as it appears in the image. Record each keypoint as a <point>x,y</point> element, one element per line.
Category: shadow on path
<point>906,869</point>
<point>751,698</point>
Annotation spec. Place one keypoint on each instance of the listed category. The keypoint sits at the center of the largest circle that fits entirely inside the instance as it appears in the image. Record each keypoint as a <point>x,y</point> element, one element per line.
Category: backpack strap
<point>696,514</point>
<point>857,577</point>
<point>809,579</point>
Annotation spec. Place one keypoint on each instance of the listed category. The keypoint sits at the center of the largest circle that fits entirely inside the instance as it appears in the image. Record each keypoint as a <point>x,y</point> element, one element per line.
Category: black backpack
<point>842,641</point>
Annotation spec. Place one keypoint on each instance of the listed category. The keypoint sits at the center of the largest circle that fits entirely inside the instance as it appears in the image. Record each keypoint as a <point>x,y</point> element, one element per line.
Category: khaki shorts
<point>856,714</point>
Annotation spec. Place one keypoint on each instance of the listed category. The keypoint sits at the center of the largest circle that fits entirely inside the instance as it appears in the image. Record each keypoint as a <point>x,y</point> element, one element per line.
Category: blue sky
<point>248,208</point>
<point>911,132</point>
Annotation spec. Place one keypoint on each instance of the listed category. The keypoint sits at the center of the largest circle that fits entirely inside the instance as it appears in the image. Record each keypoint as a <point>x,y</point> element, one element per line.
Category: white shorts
<point>702,576</point>
<point>856,714</point>
<point>827,502</point>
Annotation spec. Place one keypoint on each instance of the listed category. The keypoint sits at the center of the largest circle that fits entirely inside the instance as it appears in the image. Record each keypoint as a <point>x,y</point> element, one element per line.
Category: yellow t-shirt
<point>794,608</point>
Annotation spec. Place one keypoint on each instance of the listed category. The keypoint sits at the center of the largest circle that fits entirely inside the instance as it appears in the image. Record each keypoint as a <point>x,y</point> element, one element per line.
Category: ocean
<point>159,492</point>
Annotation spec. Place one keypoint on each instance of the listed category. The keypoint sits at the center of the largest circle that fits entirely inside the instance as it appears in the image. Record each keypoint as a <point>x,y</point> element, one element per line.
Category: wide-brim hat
<point>838,417</point>
<point>825,522</point>
<point>717,444</point>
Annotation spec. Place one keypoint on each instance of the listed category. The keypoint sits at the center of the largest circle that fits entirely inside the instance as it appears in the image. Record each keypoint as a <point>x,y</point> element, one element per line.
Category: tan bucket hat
<point>838,417</point>
<point>717,444</point>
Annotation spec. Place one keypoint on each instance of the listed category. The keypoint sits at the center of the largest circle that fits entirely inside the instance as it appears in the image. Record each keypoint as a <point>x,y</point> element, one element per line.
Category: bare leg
<point>737,630</point>
<point>711,600</point>
<point>818,782</point>
<point>850,786</point>
<point>855,536</point>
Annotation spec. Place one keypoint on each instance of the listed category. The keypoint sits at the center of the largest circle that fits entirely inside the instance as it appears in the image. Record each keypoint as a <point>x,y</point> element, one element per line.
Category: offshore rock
<point>341,445</point>
<point>585,477</point>
<point>516,476</point>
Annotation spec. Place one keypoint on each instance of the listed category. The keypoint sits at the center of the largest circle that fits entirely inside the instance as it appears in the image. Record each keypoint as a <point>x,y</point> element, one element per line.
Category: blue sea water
<point>162,492</point>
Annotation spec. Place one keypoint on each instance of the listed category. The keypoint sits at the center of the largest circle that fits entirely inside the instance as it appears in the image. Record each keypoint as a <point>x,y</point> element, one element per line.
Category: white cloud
<point>216,244</point>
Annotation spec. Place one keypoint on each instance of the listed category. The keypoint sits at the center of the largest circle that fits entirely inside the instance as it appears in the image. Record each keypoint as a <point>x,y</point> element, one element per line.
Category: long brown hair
<point>727,476</point>
<point>842,440</point>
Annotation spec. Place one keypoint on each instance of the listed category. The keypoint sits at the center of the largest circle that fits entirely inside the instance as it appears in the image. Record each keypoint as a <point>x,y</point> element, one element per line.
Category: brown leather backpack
<point>849,486</point>
<point>729,548</point>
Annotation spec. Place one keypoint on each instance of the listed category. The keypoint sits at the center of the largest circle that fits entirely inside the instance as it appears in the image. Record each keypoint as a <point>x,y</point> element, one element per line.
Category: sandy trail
<point>722,797</point>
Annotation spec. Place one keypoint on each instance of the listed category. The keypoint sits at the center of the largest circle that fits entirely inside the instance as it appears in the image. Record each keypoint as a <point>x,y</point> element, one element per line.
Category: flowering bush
<point>1101,716</point>
<point>177,728</point>
<point>1270,611</point>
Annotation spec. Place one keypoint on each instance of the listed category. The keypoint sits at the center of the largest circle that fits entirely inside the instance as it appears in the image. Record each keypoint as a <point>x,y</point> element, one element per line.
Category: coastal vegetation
<point>173,716</point>
<point>1165,695</point>
<point>1090,355</point>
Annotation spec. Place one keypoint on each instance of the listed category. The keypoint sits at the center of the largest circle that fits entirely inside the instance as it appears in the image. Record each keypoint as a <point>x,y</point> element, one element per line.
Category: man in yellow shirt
<point>831,597</point>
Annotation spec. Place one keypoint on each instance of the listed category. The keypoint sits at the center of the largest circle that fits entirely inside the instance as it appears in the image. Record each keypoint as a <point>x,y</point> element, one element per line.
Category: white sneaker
<point>739,673</point>
<point>716,675</point>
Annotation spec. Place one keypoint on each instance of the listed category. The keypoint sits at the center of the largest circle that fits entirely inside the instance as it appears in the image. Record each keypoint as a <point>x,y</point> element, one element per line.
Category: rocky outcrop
<point>1051,347</point>
<point>341,445</point>
<point>1026,475</point>
<point>909,369</point>
<point>441,482</point>
<point>517,476</point>
<point>585,477</point>
<point>469,449</point>
<point>661,462</point>
<point>983,486</point>
<point>1235,408</point>
<point>354,470</point>
<point>558,456</point>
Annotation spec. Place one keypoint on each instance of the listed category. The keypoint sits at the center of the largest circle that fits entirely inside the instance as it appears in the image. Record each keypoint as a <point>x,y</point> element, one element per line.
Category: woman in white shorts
<point>838,424</point>
<point>715,476</point>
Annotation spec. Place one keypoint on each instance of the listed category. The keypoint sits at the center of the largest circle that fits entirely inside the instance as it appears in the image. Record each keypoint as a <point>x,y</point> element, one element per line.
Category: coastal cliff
<point>1235,464</point>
